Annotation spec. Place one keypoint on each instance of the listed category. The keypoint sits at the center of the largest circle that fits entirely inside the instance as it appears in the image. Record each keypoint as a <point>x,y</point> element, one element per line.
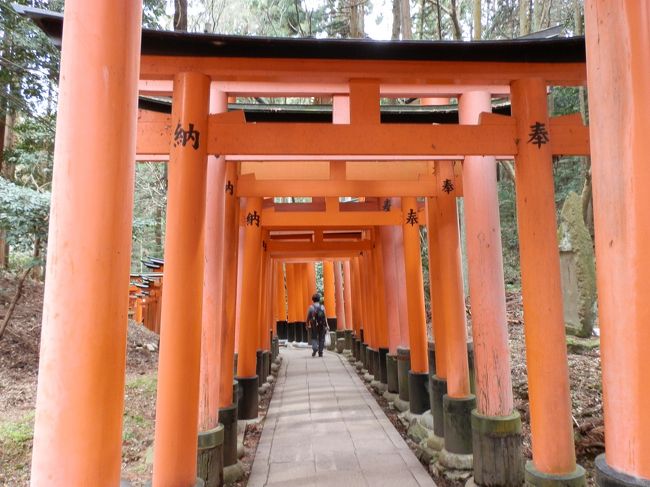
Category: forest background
<point>29,71</point>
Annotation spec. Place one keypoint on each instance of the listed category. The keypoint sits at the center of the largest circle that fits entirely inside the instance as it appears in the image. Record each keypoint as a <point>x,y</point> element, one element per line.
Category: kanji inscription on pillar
<point>447,186</point>
<point>230,188</point>
<point>538,135</point>
<point>182,136</point>
<point>264,245</point>
<point>387,204</point>
<point>253,218</point>
<point>412,217</point>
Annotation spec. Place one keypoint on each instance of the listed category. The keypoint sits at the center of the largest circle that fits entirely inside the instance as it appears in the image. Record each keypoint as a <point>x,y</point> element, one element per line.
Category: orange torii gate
<point>81,377</point>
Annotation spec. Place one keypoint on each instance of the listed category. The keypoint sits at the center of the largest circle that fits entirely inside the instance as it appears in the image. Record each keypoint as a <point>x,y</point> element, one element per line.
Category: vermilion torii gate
<point>217,158</point>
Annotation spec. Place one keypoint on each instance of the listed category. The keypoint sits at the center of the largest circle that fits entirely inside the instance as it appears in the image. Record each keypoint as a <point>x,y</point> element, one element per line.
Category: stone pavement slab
<point>324,428</point>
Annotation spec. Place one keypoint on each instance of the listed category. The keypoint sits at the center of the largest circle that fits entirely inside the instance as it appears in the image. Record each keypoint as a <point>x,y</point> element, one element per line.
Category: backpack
<point>317,316</point>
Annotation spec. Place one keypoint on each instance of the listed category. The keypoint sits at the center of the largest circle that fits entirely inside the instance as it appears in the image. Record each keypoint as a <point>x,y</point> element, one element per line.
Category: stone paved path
<point>324,428</point>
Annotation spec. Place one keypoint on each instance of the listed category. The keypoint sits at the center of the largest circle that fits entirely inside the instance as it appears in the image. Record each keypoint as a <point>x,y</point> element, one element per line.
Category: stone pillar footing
<point>403,367</point>
<point>228,418</point>
<point>347,334</point>
<point>209,460</point>
<point>391,374</point>
<point>535,478</point>
<point>418,392</point>
<point>364,355</point>
<point>438,391</point>
<point>266,364</point>
<point>249,402</point>
<point>259,367</point>
<point>497,450</point>
<point>458,423</point>
<point>291,332</point>
<point>383,371</point>
<point>606,476</point>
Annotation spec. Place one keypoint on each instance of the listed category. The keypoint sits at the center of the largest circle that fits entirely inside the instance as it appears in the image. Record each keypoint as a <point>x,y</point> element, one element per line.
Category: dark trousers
<point>318,339</point>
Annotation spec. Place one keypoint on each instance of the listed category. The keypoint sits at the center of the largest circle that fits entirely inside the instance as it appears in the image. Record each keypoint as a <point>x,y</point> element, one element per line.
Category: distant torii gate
<point>81,377</point>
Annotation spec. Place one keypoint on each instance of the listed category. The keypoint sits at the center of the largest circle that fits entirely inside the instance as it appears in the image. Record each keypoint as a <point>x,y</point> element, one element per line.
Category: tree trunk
<point>524,17</point>
<point>356,18</point>
<point>36,256</point>
<point>407,29</point>
<point>458,34</point>
<point>476,14</point>
<point>180,15</point>
<point>397,20</point>
<point>421,22</point>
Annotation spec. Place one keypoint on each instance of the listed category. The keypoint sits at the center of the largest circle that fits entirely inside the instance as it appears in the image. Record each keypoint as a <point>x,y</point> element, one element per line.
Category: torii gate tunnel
<point>239,262</point>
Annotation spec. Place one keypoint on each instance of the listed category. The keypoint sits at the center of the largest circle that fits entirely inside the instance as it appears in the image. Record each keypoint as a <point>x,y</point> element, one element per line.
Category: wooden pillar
<point>280,293</point>
<point>357,311</point>
<point>414,286</point>
<point>617,58</point>
<point>451,278</point>
<point>338,291</point>
<point>291,292</point>
<point>78,428</point>
<point>398,245</point>
<point>180,333</point>
<point>347,291</point>
<point>328,285</point>
<point>212,282</point>
<point>249,308</point>
<point>209,465</point>
<point>380,293</point>
<point>391,287</point>
<point>495,408</point>
<point>229,311</point>
<point>435,289</point>
<point>548,378</point>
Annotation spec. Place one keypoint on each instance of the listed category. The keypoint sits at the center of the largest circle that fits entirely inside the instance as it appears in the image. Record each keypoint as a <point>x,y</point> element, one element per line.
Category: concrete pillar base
<point>418,392</point>
<point>228,418</point>
<point>458,423</point>
<point>390,396</point>
<point>339,333</point>
<point>347,334</point>
<point>259,367</point>
<point>401,405</point>
<point>291,332</point>
<point>266,364</point>
<point>249,402</point>
<point>378,386</point>
<point>606,476</point>
<point>403,367</point>
<point>391,374</point>
<point>233,473</point>
<point>383,371</point>
<point>363,354</point>
<point>438,391</point>
<point>535,478</point>
<point>281,327</point>
<point>455,461</point>
<point>332,346</point>
<point>209,460</point>
<point>497,450</point>
<point>340,344</point>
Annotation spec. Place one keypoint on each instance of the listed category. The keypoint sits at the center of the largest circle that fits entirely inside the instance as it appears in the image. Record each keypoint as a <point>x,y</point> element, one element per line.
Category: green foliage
<point>16,433</point>
<point>24,214</point>
<point>153,14</point>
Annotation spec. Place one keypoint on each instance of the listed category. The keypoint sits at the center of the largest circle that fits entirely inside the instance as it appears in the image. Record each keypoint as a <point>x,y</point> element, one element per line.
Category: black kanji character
<point>253,218</point>
<point>387,204</point>
<point>182,137</point>
<point>538,134</point>
<point>412,217</point>
<point>229,187</point>
<point>447,186</point>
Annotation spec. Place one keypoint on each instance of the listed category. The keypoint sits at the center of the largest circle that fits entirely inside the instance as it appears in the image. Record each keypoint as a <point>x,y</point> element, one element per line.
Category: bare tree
<point>180,15</point>
<point>407,29</point>
<point>397,20</point>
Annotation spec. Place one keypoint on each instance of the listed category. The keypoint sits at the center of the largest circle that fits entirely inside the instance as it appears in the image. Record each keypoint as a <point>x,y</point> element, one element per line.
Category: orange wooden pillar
<point>494,403</point>
<point>458,402</point>
<point>281,315</point>
<point>328,289</point>
<point>303,302</point>
<point>398,246</point>
<point>357,314</point>
<point>78,430</point>
<point>263,354</point>
<point>249,309</point>
<point>180,330</point>
<point>617,59</point>
<point>418,380</point>
<point>391,291</point>
<point>439,377</point>
<point>546,357</point>
<point>338,296</point>
<point>291,301</point>
<point>227,402</point>
<point>381,373</point>
<point>209,465</point>
<point>347,295</point>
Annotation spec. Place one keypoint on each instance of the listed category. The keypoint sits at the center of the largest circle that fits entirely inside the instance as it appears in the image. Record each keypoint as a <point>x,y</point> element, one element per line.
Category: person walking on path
<point>317,321</point>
